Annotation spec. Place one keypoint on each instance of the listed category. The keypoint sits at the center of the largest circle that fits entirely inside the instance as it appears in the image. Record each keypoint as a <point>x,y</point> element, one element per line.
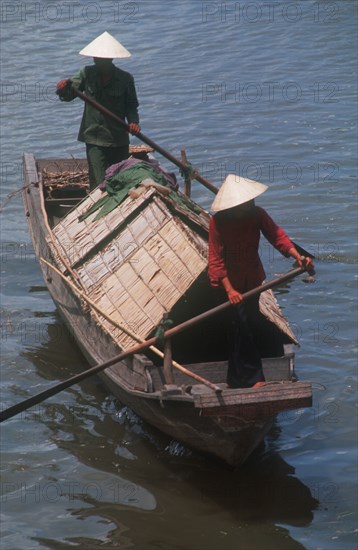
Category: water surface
<point>262,90</point>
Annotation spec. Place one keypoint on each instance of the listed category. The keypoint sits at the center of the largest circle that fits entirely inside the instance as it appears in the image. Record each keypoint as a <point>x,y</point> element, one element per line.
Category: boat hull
<point>229,425</point>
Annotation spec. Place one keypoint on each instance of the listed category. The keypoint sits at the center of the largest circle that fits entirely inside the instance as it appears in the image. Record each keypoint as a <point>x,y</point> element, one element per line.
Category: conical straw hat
<point>105,46</point>
<point>236,190</point>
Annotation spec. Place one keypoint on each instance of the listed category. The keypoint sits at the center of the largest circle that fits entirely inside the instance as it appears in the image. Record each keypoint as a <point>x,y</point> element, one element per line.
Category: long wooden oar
<point>42,396</point>
<point>182,165</point>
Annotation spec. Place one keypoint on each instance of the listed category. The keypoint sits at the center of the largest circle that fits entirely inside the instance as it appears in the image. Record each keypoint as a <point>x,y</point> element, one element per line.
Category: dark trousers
<point>100,158</point>
<point>247,332</point>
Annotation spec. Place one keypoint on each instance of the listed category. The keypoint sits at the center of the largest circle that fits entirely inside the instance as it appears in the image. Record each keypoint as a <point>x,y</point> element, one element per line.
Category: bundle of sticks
<point>59,180</point>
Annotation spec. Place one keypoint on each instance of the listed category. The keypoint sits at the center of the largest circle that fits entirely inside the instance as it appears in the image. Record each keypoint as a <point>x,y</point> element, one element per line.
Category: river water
<point>262,89</point>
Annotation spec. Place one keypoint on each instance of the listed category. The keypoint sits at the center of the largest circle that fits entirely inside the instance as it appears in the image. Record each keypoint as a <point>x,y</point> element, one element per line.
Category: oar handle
<point>184,167</point>
<point>31,401</point>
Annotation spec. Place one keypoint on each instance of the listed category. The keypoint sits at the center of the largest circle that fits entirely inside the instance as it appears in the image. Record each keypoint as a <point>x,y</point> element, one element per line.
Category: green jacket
<point>119,96</point>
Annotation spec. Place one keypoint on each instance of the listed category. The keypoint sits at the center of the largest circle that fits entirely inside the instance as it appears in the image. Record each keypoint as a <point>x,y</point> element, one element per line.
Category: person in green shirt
<point>106,142</point>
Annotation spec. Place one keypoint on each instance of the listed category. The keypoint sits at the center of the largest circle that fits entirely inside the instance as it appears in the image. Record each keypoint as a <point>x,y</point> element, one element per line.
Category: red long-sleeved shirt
<point>234,248</point>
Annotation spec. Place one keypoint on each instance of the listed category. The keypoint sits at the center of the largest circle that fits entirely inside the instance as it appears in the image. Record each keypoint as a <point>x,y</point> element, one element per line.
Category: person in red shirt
<point>235,266</point>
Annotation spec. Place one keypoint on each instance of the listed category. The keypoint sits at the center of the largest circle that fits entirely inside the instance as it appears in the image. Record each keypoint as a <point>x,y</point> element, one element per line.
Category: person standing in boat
<point>106,142</point>
<point>235,266</point>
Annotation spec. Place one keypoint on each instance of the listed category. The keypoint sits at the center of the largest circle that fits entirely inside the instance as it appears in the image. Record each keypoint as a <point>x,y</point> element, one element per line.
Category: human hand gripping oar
<point>139,348</point>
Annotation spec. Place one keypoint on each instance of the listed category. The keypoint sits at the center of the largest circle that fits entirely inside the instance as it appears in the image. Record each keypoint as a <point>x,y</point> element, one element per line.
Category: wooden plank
<point>230,417</point>
<point>30,169</point>
<point>275,369</point>
<point>273,392</point>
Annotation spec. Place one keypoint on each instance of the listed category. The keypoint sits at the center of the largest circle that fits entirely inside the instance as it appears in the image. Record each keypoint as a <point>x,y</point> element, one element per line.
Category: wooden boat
<point>113,279</point>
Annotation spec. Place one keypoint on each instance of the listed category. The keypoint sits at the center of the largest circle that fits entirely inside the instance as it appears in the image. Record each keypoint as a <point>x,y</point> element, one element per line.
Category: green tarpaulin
<point>118,186</point>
